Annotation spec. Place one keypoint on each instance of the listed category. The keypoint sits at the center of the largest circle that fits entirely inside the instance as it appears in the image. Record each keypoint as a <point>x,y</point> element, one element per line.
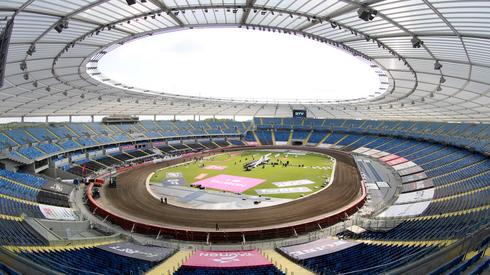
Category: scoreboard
<point>299,113</point>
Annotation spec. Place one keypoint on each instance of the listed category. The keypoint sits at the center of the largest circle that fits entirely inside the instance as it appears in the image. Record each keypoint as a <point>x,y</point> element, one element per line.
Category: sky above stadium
<point>239,63</point>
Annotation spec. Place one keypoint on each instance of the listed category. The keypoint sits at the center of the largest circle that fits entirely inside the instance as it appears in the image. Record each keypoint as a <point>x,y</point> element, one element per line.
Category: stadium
<point>244,137</point>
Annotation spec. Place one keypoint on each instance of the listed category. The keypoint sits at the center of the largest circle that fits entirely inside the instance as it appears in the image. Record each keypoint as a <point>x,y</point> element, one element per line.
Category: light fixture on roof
<point>99,98</point>
<point>82,96</point>
<point>439,88</point>
<point>416,42</point>
<point>431,95</point>
<point>131,2</point>
<point>366,13</point>
<point>26,76</point>
<point>35,84</point>
<point>442,79</point>
<point>437,65</point>
<point>62,24</point>
<point>118,100</point>
<point>23,66</point>
<point>31,50</point>
<point>65,93</point>
<point>48,89</point>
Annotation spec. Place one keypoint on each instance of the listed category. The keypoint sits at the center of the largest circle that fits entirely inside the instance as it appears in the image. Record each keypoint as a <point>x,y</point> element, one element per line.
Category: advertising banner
<point>418,185</point>
<point>414,177</point>
<point>226,259</point>
<point>142,252</point>
<point>316,248</point>
<point>58,187</point>
<point>57,213</point>
<point>292,183</point>
<point>284,190</point>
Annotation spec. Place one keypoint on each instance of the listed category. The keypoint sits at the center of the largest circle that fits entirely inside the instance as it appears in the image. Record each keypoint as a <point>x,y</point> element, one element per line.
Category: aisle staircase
<point>324,138</point>
<point>170,265</point>
<point>290,137</point>
<point>308,137</point>
<point>285,265</point>
<point>256,138</point>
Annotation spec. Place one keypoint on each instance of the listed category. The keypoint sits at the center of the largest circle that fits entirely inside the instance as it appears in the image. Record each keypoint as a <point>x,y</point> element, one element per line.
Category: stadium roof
<point>58,77</point>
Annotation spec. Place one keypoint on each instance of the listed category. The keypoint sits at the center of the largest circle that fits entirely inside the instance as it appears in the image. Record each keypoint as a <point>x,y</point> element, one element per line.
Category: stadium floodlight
<point>442,79</point>
<point>31,50</point>
<point>62,24</point>
<point>437,65</point>
<point>416,42</point>
<point>366,13</point>
<point>131,2</point>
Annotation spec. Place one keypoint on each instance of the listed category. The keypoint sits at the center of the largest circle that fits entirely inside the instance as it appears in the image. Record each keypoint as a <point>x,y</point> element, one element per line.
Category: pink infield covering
<point>201,176</point>
<point>230,183</point>
<point>214,167</point>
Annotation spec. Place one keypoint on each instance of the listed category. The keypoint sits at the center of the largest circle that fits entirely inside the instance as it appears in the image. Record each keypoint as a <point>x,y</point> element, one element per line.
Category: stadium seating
<point>49,148</point>
<point>265,137</point>
<point>27,179</point>
<point>436,228</point>
<point>366,259</point>
<point>13,207</point>
<point>17,190</point>
<point>31,152</point>
<point>88,261</point>
<point>69,145</point>
<point>14,231</point>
